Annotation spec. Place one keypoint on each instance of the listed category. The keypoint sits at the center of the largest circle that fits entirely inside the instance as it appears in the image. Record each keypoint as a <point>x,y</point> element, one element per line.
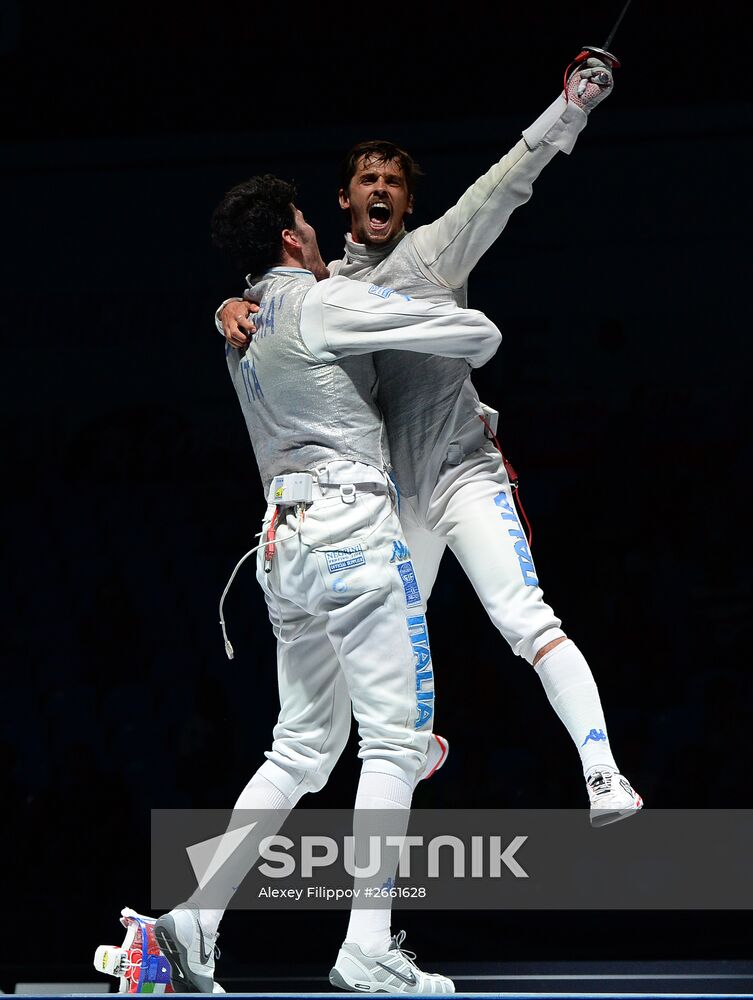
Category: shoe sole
<point>337,980</point>
<point>603,817</point>
<point>177,955</point>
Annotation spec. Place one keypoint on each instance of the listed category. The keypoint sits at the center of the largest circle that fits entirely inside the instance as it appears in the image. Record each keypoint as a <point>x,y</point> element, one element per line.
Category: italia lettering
<point>522,551</point>
<point>251,381</point>
<point>419,637</point>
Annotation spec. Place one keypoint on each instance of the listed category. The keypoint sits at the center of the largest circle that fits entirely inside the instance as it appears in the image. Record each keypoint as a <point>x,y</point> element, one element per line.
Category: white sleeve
<point>449,248</point>
<point>340,316</point>
<point>217,320</point>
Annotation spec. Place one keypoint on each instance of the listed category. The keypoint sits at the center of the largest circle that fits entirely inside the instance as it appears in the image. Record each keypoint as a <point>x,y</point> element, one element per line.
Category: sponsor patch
<point>383,293</point>
<point>340,559</point>
<point>410,584</point>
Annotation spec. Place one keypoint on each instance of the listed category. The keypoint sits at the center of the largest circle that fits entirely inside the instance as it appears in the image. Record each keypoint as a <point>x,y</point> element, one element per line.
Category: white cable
<point>228,645</point>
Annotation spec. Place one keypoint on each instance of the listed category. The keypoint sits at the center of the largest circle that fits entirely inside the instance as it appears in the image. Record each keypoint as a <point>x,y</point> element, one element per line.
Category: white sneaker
<point>436,755</point>
<point>612,796</point>
<point>190,949</point>
<point>393,972</point>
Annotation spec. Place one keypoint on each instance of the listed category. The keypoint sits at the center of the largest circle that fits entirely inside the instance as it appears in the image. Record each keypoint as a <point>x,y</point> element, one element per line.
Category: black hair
<point>248,222</point>
<point>382,151</point>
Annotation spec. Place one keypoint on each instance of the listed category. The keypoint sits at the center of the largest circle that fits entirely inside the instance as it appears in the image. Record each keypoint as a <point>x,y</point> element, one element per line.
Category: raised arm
<point>341,317</point>
<point>449,248</point>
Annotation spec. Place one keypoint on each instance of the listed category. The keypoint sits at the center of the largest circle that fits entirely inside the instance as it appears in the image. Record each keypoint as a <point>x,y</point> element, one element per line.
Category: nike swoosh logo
<point>410,980</point>
<point>205,956</point>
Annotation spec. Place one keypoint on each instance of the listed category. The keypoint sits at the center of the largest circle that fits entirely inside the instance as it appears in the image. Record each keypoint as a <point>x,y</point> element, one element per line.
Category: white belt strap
<point>298,487</point>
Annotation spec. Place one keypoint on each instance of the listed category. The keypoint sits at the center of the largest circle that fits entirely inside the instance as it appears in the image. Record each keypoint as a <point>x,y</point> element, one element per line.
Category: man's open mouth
<point>380,214</point>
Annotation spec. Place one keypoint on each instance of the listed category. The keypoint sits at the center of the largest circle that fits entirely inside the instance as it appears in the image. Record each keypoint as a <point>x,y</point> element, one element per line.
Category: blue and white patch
<point>383,293</point>
<point>410,584</point>
<point>340,559</point>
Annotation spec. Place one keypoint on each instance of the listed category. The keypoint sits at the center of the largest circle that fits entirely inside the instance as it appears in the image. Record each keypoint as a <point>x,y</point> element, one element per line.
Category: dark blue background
<point>623,293</point>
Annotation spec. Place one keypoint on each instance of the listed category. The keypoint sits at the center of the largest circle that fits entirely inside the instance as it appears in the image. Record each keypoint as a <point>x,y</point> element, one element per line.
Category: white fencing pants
<point>471,510</point>
<point>351,630</point>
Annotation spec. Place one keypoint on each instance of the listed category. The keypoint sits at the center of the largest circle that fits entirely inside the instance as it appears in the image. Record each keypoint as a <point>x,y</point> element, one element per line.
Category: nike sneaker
<point>612,796</point>
<point>394,972</point>
<point>435,757</point>
<point>190,949</point>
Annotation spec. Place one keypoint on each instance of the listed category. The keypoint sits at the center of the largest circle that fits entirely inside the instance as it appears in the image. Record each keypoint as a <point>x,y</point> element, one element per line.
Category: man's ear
<point>409,209</point>
<point>343,198</point>
<point>290,240</point>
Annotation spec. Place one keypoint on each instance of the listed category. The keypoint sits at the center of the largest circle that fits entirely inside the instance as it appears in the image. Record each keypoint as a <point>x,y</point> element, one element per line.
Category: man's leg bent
<point>473,506</point>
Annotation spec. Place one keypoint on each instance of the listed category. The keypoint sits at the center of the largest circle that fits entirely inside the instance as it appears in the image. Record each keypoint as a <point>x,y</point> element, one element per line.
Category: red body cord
<point>513,477</point>
<point>269,551</point>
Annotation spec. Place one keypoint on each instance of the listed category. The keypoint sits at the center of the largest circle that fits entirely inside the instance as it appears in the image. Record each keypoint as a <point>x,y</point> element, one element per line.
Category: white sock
<point>259,793</point>
<point>573,695</point>
<point>370,929</point>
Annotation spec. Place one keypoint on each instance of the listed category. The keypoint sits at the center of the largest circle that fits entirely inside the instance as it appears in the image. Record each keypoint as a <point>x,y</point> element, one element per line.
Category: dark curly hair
<point>382,151</point>
<point>248,222</point>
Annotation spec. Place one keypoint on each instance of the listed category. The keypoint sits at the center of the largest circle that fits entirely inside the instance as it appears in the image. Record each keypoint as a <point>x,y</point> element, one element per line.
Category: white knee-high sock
<point>370,929</point>
<point>573,695</point>
<point>213,898</point>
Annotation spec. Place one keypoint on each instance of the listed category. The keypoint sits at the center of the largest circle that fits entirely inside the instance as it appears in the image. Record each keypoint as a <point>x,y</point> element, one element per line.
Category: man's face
<point>310,254</point>
<point>377,198</point>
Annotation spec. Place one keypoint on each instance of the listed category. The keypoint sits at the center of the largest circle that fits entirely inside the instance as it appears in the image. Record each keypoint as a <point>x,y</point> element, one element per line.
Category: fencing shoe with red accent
<point>436,755</point>
<point>612,796</point>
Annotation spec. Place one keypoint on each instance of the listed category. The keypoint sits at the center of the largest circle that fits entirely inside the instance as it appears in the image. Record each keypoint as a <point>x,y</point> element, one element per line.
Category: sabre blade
<point>613,32</point>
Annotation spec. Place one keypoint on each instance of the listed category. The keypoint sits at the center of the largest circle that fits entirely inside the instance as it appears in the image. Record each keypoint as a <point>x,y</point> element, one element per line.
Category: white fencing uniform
<point>456,492</point>
<point>453,486</point>
<point>340,587</point>
<point>454,489</point>
<point>342,594</point>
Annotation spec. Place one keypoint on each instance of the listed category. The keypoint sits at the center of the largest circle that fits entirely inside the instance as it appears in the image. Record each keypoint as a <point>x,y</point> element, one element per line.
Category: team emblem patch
<point>410,584</point>
<point>340,559</point>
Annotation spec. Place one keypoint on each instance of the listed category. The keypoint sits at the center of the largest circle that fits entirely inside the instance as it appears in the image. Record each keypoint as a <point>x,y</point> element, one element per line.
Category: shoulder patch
<point>383,293</point>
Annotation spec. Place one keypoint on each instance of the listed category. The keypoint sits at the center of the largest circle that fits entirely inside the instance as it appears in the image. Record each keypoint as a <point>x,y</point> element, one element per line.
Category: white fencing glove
<point>590,82</point>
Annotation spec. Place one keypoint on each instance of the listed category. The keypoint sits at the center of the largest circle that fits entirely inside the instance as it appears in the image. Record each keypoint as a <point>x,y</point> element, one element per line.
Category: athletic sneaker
<point>393,972</point>
<point>612,796</point>
<point>435,756</point>
<point>190,950</point>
